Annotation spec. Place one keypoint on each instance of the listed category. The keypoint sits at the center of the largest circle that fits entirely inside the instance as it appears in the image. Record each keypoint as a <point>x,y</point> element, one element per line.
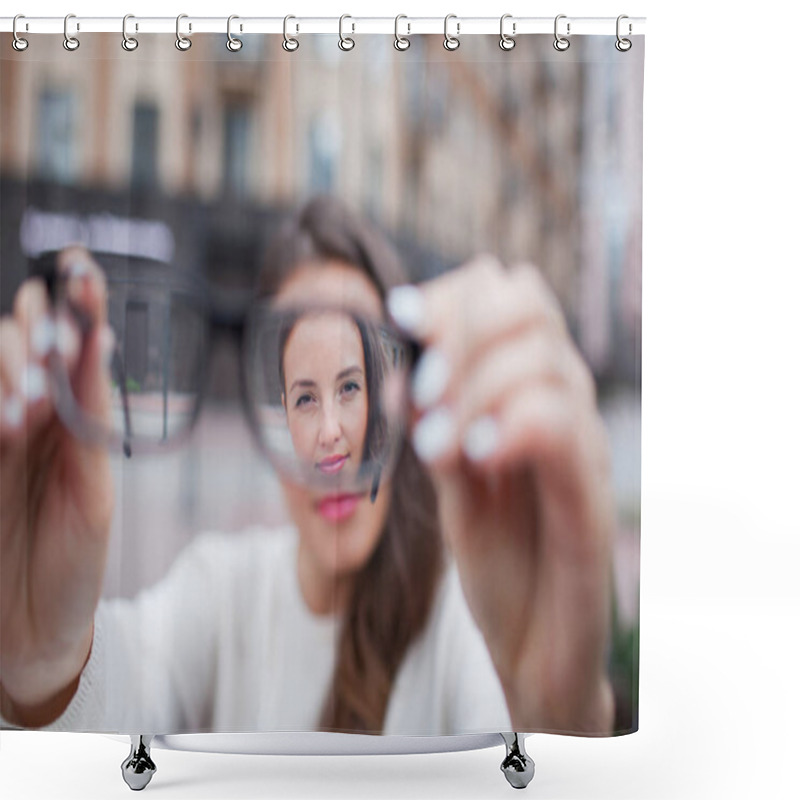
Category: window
<point>136,345</point>
<point>55,131</point>
<point>144,165</point>
<point>324,146</point>
<point>236,161</point>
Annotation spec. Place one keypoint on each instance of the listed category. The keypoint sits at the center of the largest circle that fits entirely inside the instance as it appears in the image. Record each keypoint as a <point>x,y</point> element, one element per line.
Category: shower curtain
<point>474,213</point>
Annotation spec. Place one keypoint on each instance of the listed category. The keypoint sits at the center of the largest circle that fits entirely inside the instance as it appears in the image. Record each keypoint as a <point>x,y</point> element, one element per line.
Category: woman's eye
<point>351,387</point>
<point>304,399</point>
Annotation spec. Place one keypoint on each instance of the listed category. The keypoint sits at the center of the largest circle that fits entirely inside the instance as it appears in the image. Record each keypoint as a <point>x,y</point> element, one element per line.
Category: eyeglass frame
<point>234,317</point>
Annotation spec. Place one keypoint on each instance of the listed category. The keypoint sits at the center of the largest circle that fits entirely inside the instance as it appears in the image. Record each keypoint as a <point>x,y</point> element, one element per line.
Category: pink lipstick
<point>336,507</point>
<point>332,464</point>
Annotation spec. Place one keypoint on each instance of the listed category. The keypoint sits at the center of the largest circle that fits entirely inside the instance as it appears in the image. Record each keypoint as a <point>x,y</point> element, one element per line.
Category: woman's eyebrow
<point>303,383</point>
<point>349,371</point>
<point>307,382</point>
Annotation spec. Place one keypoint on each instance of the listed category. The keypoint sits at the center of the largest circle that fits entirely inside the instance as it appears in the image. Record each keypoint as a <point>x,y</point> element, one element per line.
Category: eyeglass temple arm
<point>165,373</point>
<point>45,268</point>
<point>118,366</point>
<point>85,324</point>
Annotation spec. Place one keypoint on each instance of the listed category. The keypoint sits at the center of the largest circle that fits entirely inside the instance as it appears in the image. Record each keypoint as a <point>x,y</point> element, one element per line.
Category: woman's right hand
<point>56,496</point>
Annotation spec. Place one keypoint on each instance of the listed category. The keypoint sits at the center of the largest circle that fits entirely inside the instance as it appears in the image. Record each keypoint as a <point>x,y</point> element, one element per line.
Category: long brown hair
<point>394,592</point>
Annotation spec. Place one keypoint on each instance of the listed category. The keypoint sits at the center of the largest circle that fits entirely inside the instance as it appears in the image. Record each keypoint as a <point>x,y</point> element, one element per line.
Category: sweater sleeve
<point>152,665</point>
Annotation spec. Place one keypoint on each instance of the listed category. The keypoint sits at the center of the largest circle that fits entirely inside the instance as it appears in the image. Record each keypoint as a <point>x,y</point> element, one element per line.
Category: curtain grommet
<point>290,43</point>
<point>233,44</point>
<point>71,43</point>
<point>507,42</point>
<point>561,43</point>
<point>18,43</point>
<point>346,43</point>
<point>182,42</point>
<point>451,42</point>
<point>401,43</point>
<point>623,45</point>
<point>129,43</point>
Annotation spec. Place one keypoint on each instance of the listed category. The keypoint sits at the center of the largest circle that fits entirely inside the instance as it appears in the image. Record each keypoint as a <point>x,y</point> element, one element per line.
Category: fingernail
<point>481,438</point>
<point>67,341</point>
<point>13,411</point>
<point>33,385</point>
<point>405,304</point>
<point>43,337</point>
<point>430,378</point>
<point>434,434</point>
<point>107,343</point>
<point>76,281</point>
<point>79,269</point>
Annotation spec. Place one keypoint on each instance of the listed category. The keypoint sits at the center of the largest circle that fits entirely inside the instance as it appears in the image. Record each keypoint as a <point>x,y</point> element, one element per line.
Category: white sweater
<point>225,643</point>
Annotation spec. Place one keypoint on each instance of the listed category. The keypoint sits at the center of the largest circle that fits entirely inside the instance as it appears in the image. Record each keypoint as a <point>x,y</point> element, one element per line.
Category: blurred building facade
<point>530,154</point>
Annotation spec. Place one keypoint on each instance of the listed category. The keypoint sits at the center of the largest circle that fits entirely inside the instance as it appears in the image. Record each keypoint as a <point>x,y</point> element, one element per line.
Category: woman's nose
<point>330,427</point>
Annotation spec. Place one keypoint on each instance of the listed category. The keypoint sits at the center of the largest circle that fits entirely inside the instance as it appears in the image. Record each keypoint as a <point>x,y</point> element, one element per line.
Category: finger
<point>32,312</point>
<point>468,312</point>
<point>86,285</point>
<point>25,386</point>
<point>542,425</point>
<point>12,365</point>
<point>478,298</point>
<point>529,279</point>
<point>42,336</point>
<point>92,381</point>
<point>411,306</point>
<point>534,358</point>
<point>538,422</point>
<point>59,329</point>
<point>67,339</point>
<point>87,289</point>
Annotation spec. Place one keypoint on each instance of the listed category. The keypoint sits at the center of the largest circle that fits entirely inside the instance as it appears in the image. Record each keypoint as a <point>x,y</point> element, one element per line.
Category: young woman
<point>472,594</point>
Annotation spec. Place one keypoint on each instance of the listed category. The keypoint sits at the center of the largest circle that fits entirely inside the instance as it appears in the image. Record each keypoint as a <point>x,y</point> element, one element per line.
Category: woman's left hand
<point>520,459</point>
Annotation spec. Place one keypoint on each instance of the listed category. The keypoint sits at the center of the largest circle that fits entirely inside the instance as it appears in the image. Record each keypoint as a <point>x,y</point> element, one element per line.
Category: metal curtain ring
<point>181,42</point>
<point>507,42</point>
<point>19,44</point>
<point>290,43</point>
<point>451,42</point>
<point>401,42</point>
<point>623,45</point>
<point>70,42</point>
<point>233,44</point>
<point>129,43</point>
<point>561,43</point>
<point>346,42</point>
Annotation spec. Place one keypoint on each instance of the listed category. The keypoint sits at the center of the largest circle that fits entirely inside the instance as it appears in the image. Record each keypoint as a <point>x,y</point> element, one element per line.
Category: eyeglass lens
<point>325,387</point>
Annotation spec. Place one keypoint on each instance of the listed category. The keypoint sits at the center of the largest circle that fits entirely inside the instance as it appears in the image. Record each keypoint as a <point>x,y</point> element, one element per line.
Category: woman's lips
<point>337,507</point>
<point>331,466</point>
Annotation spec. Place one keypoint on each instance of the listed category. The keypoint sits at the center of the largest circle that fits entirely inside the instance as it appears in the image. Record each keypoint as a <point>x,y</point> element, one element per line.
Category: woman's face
<point>325,396</point>
<point>326,404</point>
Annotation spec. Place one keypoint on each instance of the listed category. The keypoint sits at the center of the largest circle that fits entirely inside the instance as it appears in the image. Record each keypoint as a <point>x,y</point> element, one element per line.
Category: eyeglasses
<point>324,387</point>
